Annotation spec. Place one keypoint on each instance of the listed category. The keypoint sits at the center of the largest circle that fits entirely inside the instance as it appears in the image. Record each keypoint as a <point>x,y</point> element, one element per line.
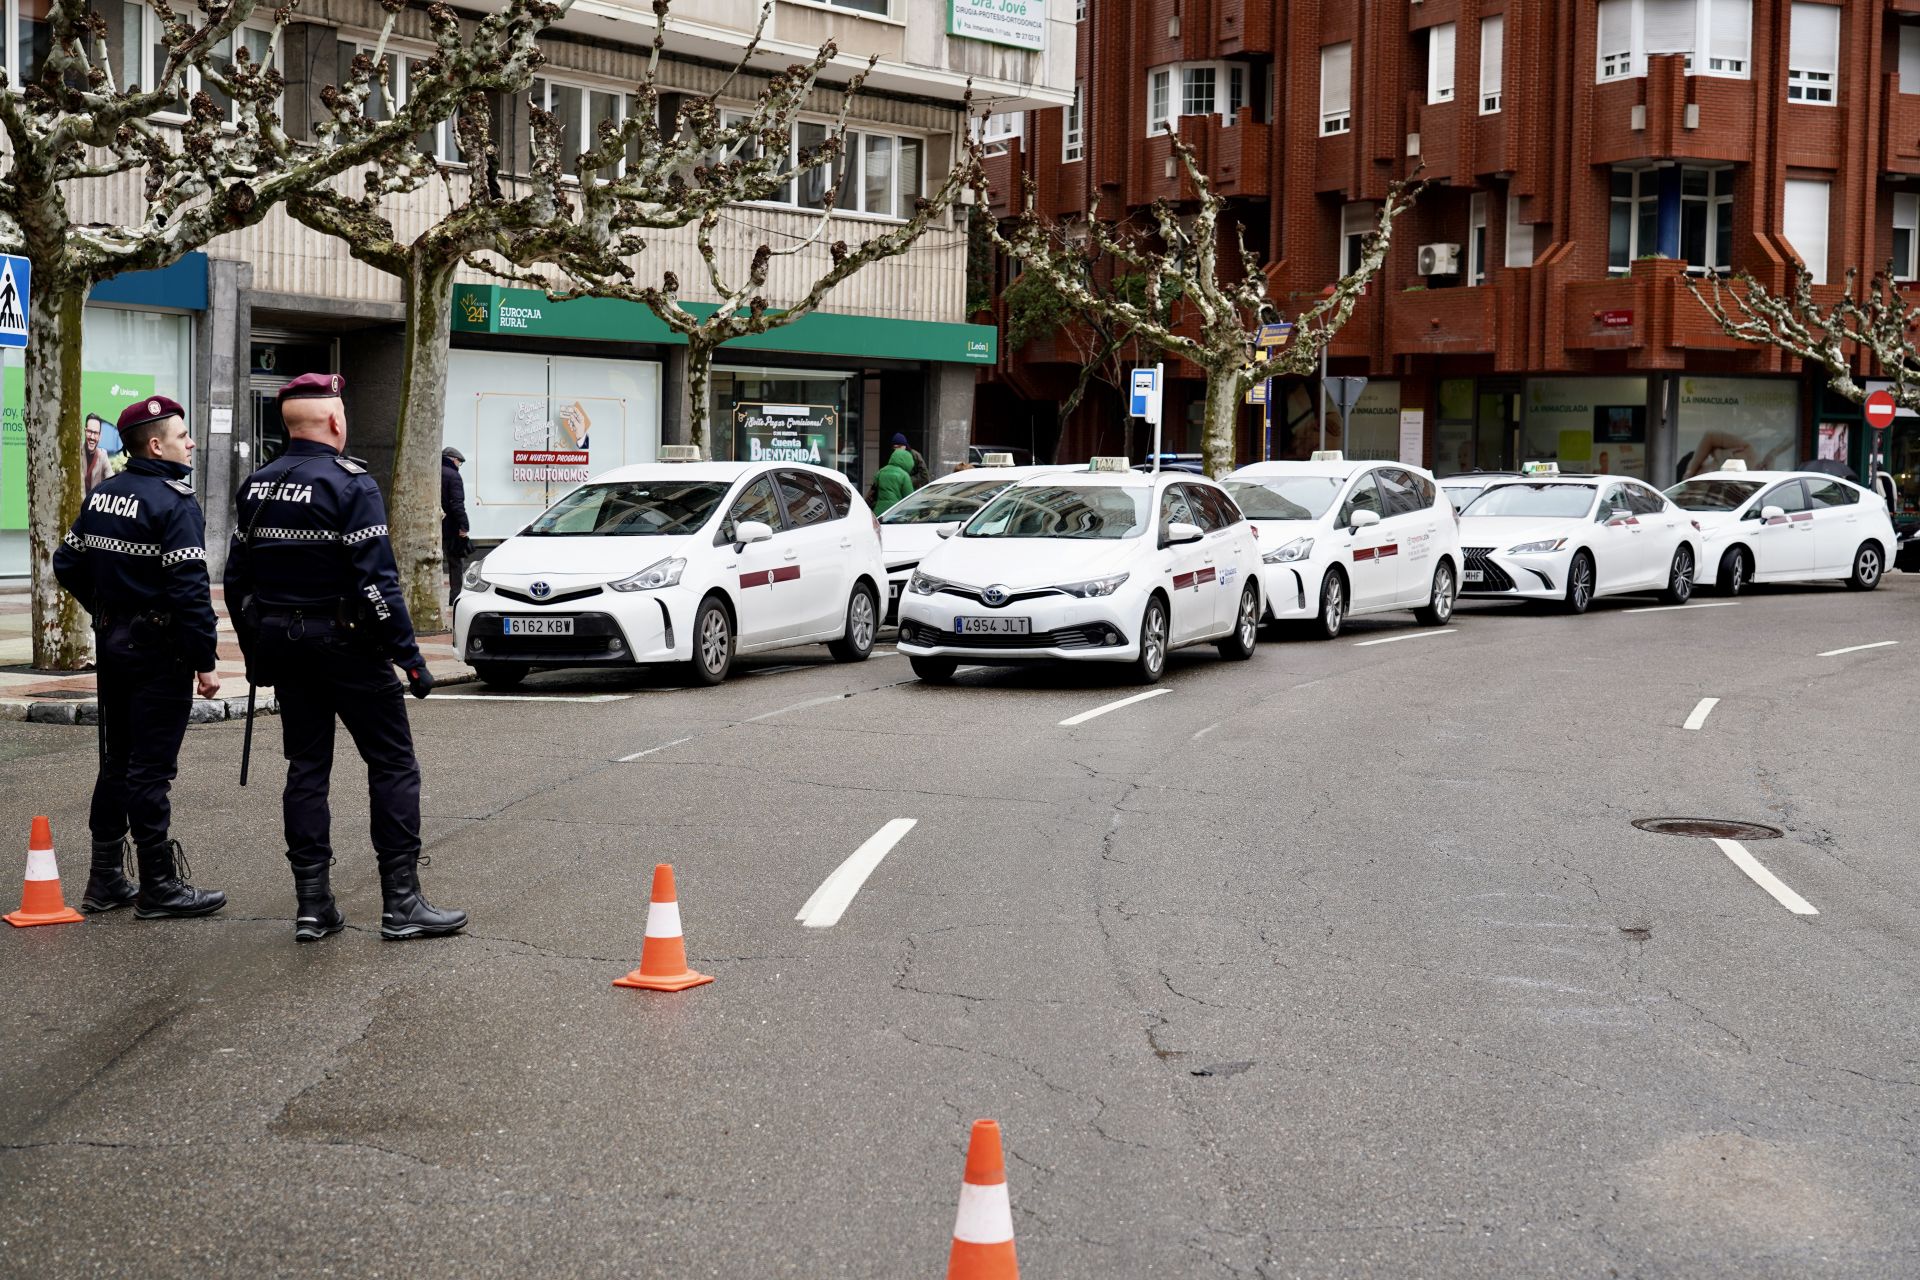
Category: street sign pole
<point>1323,397</point>
<point>1159,399</point>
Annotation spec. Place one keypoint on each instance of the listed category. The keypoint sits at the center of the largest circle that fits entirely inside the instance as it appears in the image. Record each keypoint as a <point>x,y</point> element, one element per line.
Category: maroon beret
<point>314,386</point>
<point>152,409</point>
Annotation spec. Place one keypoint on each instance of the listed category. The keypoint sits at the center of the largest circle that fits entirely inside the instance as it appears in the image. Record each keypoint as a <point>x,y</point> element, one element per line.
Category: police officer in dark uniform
<point>136,559</point>
<point>316,602</point>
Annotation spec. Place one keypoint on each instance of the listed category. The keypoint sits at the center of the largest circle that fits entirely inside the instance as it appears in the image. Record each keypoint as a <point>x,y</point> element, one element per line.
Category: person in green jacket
<point>893,481</point>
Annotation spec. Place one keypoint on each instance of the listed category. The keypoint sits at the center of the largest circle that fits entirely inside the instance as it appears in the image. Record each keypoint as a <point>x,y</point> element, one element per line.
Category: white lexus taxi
<point>1574,538</point>
<point>912,526</point>
<point>1785,526</point>
<point>678,562</point>
<point>1102,565</point>
<point>1341,538</point>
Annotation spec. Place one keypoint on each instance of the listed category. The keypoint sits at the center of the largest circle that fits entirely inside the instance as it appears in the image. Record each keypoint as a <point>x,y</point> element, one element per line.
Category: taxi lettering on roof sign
<point>996,459</point>
<point>1540,469</point>
<point>1109,464</point>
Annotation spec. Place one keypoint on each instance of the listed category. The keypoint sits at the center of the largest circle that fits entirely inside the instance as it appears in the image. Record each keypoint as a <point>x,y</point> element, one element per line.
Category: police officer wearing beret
<point>136,559</point>
<point>317,605</point>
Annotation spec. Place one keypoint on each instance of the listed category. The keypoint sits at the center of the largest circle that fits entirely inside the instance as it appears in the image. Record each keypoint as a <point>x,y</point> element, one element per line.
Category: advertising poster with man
<point>102,396</point>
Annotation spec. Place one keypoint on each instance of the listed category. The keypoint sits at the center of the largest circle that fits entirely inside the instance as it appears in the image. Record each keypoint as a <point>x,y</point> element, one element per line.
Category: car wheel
<point>1867,567</point>
<point>1439,608</point>
<point>1579,583</point>
<point>862,622</point>
<point>1736,572</point>
<point>1151,663</point>
<point>1332,618</point>
<point>501,675</point>
<point>712,642</point>
<point>1680,578</point>
<point>934,670</point>
<point>1238,646</point>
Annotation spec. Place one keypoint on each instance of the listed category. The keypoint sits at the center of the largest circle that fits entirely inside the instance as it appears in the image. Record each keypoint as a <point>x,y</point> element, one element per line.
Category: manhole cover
<point>1709,828</point>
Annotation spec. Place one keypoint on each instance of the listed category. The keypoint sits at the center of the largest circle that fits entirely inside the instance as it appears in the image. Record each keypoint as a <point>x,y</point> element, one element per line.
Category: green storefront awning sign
<point>509,312</point>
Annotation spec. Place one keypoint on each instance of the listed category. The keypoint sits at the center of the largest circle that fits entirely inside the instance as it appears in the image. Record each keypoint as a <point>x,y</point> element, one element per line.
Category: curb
<point>204,710</point>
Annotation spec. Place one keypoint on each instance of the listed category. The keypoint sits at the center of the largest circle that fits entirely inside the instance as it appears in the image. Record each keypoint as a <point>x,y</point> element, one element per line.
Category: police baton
<point>246,743</point>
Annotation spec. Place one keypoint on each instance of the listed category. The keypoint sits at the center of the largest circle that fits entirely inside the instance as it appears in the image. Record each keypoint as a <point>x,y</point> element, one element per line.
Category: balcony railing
<point>1458,321</point>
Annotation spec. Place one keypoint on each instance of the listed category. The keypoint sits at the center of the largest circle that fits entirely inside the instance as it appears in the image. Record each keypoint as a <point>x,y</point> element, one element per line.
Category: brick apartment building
<point>1585,155</point>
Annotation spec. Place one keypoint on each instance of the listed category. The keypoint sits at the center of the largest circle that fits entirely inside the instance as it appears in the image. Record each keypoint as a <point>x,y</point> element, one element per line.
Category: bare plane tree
<point>1874,321</point>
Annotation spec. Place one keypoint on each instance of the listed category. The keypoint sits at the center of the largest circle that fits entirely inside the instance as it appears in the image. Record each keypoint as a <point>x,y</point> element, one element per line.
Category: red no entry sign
<point>1880,409</point>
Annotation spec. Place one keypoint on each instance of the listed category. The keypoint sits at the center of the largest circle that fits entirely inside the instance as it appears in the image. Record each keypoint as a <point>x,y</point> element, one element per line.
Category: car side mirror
<point>1179,533</point>
<point>948,529</point>
<point>1773,513</point>
<point>747,532</point>
<point>1363,519</point>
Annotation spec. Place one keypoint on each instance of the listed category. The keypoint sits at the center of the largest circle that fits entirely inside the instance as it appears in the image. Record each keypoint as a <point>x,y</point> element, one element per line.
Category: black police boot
<point>315,915</point>
<point>107,885</point>
<point>404,912</point>
<point>164,891</point>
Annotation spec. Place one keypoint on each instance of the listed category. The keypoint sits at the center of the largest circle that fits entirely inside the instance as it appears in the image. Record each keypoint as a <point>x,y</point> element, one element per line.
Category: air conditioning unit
<point>1438,260</point>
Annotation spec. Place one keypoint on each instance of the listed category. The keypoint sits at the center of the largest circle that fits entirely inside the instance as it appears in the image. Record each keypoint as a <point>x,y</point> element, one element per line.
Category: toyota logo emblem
<point>994,596</point>
<point>540,590</point>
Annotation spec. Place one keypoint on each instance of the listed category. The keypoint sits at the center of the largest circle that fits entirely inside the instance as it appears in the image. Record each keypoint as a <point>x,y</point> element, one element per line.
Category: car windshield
<point>942,503</point>
<point>1712,495</point>
<point>1567,501</point>
<point>636,508</point>
<point>1286,497</point>
<point>1063,511</point>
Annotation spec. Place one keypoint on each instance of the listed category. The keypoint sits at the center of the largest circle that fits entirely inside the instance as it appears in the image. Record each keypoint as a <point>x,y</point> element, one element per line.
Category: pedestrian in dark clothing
<point>454,543</point>
<point>920,473</point>
<point>316,599</point>
<point>136,559</point>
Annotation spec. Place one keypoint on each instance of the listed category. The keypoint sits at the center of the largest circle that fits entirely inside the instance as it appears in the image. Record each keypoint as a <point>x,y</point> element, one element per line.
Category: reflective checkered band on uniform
<point>180,555</point>
<point>297,535</point>
<point>361,535</point>
<point>96,542</point>
<point>73,540</point>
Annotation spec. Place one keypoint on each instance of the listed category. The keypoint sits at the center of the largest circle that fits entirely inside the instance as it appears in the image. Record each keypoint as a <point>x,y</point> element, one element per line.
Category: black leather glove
<point>420,680</point>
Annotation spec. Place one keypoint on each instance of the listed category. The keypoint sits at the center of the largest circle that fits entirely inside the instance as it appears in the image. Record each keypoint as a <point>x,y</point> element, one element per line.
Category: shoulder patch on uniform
<point>181,486</point>
<point>351,467</point>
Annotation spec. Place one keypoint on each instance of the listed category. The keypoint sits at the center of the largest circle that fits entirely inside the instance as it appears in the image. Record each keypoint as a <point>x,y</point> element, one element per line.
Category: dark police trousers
<point>145,696</point>
<point>319,674</point>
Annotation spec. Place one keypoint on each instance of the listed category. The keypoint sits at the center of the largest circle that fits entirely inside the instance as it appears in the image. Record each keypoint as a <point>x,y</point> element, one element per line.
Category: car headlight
<point>1538,548</point>
<point>1298,549</point>
<point>663,573</point>
<point>1093,588</point>
<point>922,585</point>
<point>472,579</point>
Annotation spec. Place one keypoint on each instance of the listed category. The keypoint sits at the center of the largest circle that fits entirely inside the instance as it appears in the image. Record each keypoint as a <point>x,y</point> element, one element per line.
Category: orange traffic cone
<point>983,1229</point>
<point>40,901</point>
<point>663,956</point>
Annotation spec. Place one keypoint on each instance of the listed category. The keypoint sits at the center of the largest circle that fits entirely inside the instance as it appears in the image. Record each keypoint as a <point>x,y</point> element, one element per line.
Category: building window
<point>1001,131</point>
<point>1079,10</point>
<point>144,51</point>
<point>441,141</point>
<point>1906,237</point>
<point>1357,225</point>
<point>1336,88</point>
<point>1204,89</point>
<point>1633,227</point>
<point>1909,63</point>
<point>1806,224</point>
<point>1493,41</point>
<point>1071,139</point>
<point>1631,31</point>
<point>1197,91</point>
<point>881,175</point>
<point>878,8</point>
<point>1706,218</point>
<point>581,111</point>
<point>1519,235</point>
<point>1159,100</point>
<point>1813,54</point>
<point>1440,63</point>
<point>1477,239</point>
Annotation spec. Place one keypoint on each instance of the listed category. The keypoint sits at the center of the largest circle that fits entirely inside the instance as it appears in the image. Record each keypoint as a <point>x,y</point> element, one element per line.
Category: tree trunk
<point>418,438</point>
<point>699,400</point>
<point>56,462</point>
<point>1219,443</point>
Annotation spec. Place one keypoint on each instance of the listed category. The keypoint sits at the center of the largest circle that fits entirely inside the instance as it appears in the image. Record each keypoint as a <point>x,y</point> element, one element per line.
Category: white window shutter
<point>1519,236</point>
<point>1493,38</point>
<point>1731,37</point>
<point>1336,79</point>
<point>1815,41</point>
<point>1616,28</point>
<point>1669,25</point>
<point>1910,57</point>
<point>1440,63</point>
<point>1806,223</point>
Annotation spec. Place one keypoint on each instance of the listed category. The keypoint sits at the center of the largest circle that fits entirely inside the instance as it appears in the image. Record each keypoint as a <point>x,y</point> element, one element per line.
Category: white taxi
<point>912,526</point>
<point>1786,526</point>
<point>685,562</point>
<point>1102,565</point>
<point>1573,538</point>
<point>1341,538</point>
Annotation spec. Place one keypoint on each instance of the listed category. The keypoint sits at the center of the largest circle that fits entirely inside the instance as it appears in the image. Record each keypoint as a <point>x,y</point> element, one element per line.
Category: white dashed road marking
<point>1765,878</point>
<point>1858,648</point>
<point>1682,608</point>
<point>1411,635</point>
<point>650,750</point>
<point>798,706</point>
<point>1085,716</point>
<point>1700,713</point>
<point>831,900</point>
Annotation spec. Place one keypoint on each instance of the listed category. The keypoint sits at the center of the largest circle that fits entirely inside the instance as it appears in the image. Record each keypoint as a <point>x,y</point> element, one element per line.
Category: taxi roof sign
<point>1328,455</point>
<point>679,453</point>
<point>996,459</point>
<point>1109,464</point>
<point>1540,469</point>
<point>1734,464</point>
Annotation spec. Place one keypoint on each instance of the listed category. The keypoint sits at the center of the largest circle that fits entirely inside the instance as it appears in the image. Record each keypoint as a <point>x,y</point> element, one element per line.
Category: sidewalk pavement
<point>68,698</point>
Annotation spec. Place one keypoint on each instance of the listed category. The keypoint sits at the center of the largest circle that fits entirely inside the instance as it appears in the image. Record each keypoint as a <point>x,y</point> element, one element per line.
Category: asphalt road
<point>1343,962</point>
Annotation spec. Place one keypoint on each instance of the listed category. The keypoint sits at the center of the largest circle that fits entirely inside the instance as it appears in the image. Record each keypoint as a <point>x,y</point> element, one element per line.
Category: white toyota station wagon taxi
<point>1786,526</point>
<point>914,525</point>
<point>1103,565</point>
<point>689,562</point>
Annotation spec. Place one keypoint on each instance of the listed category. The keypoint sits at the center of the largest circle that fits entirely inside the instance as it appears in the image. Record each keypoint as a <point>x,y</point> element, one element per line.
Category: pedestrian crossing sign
<point>16,278</point>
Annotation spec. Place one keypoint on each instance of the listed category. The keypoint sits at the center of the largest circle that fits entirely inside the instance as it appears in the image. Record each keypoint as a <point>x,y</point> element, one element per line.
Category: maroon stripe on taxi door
<point>767,577</point>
